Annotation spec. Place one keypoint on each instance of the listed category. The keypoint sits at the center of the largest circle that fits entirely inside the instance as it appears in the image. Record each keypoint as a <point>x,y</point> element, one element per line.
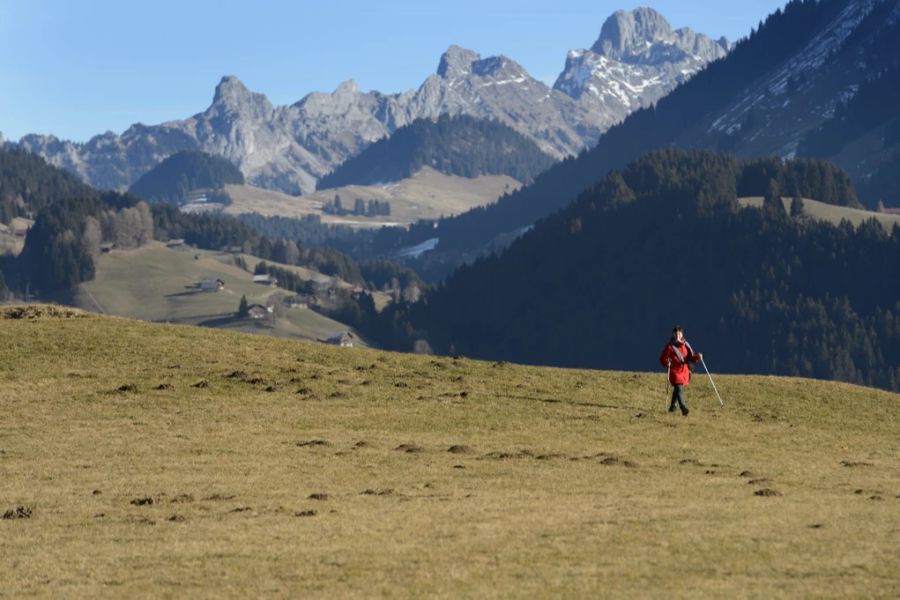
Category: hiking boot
<point>685,412</point>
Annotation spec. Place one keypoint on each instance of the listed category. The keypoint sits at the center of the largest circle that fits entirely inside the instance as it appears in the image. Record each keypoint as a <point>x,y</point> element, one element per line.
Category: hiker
<point>677,357</point>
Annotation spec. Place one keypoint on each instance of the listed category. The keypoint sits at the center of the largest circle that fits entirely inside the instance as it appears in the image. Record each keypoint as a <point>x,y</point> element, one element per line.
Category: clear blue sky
<point>79,68</point>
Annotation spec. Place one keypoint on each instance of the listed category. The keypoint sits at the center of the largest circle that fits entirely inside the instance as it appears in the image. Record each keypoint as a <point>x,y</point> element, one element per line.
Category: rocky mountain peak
<point>457,62</point>
<point>346,88</point>
<point>494,66</point>
<point>234,96</point>
<point>627,31</point>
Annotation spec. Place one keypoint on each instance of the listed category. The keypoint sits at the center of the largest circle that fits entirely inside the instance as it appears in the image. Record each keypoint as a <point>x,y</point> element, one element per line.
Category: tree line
<point>455,145</point>
<point>182,172</point>
<point>665,241</point>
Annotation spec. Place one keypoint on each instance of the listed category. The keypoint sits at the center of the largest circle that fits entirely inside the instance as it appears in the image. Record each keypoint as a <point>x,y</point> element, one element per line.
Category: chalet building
<point>258,311</point>
<point>107,247</point>
<point>212,285</point>
<point>344,339</point>
<point>175,243</point>
<point>265,279</point>
<point>299,301</point>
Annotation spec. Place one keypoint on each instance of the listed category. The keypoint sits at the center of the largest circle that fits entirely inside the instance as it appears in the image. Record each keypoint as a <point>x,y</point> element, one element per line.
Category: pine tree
<point>797,208</point>
<point>243,308</point>
<point>772,200</point>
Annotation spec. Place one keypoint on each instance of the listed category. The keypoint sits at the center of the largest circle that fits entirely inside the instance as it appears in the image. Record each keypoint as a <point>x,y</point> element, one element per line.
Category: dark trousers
<point>677,396</point>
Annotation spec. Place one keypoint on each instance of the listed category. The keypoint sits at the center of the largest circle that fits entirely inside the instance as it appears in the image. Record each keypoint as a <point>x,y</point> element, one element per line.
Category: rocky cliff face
<point>636,60</point>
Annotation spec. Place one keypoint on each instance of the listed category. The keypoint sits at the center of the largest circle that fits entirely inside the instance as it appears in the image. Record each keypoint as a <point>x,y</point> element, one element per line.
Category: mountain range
<point>794,77</point>
<point>637,59</point>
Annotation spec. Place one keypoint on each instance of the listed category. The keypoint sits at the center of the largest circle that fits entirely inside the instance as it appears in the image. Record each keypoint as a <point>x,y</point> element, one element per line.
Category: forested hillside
<point>173,178</point>
<point>664,241</point>
<point>460,145</point>
<point>28,184</point>
<point>683,118</point>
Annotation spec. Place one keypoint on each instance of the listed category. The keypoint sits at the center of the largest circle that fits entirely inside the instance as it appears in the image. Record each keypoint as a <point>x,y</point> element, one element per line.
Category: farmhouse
<point>344,339</point>
<point>107,247</point>
<point>212,285</point>
<point>265,279</point>
<point>299,301</point>
<point>258,311</point>
<point>179,243</point>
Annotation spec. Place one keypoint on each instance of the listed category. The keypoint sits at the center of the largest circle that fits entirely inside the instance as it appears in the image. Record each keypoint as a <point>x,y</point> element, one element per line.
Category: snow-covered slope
<point>637,59</point>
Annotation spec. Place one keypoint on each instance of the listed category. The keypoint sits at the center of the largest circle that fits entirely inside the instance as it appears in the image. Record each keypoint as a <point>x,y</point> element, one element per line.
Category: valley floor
<point>160,460</point>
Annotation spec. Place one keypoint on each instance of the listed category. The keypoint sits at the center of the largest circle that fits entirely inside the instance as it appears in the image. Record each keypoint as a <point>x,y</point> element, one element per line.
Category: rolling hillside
<point>155,283</point>
<point>428,194</point>
<point>157,460</point>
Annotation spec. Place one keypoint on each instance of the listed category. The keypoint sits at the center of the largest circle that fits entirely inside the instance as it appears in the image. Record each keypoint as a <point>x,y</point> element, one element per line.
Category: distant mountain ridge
<point>290,147</point>
<point>773,90</point>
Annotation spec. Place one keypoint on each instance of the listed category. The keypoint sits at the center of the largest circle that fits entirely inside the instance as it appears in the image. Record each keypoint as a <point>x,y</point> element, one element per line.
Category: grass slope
<point>154,283</point>
<point>427,195</point>
<point>830,212</point>
<point>364,473</point>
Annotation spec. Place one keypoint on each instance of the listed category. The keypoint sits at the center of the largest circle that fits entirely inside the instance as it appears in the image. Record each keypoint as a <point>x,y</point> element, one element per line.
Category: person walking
<point>677,357</point>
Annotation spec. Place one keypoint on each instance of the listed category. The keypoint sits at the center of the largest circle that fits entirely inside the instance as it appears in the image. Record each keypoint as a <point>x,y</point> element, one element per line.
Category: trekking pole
<point>668,369</point>
<point>703,362</point>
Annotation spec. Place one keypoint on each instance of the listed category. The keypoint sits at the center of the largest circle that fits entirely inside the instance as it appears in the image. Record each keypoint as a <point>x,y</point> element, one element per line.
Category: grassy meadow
<point>429,194</point>
<point>831,213</point>
<point>155,283</point>
<point>158,460</point>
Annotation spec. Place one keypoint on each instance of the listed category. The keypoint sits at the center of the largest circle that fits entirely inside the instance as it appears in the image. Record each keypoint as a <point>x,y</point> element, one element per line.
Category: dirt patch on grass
<point>182,499</point>
<point>377,492</point>
<point>505,455</point>
<point>219,497</point>
<point>305,513</point>
<point>19,512</point>
<point>143,501</point>
<point>853,464</point>
<point>39,311</point>
<point>767,493</point>
<point>459,449</point>
<point>202,384</point>
<point>313,442</point>
<point>318,496</point>
<point>409,448</point>
<point>126,388</point>
<point>612,460</point>
<point>236,375</point>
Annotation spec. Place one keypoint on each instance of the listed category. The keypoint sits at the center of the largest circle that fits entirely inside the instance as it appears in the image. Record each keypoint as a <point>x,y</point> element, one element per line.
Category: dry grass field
<point>144,460</point>
<point>155,283</point>
<point>830,212</point>
<point>428,194</point>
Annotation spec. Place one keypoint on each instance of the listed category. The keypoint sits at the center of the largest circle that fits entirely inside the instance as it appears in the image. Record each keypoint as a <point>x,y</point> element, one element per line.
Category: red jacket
<point>679,372</point>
